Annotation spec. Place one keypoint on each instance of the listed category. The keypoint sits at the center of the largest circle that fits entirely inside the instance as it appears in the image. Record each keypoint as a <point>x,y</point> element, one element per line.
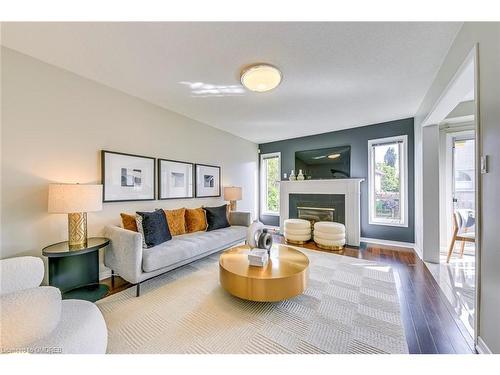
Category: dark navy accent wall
<point>357,138</point>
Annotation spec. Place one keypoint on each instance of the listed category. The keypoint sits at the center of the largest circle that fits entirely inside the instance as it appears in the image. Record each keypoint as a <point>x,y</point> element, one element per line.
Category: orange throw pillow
<point>128,222</point>
<point>176,221</point>
<point>196,220</point>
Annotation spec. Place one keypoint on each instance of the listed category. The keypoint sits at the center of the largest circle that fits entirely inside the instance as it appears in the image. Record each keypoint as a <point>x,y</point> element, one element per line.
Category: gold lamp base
<point>232,205</point>
<point>77,229</point>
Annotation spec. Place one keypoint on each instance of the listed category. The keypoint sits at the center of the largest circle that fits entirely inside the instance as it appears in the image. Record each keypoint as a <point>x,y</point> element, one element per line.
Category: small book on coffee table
<point>258,257</point>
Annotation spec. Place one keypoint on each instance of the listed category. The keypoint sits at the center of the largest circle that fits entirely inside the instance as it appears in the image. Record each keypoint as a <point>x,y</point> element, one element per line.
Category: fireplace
<point>340,198</point>
<point>315,214</point>
<point>317,207</point>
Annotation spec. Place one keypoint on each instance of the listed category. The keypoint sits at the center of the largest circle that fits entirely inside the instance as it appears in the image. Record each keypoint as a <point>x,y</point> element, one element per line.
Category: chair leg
<point>462,249</point>
<point>112,278</point>
<point>138,290</point>
<point>450,250</point>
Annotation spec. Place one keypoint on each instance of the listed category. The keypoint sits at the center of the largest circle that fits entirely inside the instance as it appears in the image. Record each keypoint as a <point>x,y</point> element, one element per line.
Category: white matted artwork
<point>175,179</point>
<point>127,177</point>
<point>207,181</point>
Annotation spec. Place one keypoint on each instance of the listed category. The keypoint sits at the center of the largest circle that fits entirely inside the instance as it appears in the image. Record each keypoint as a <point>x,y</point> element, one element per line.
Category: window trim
<point>263,181</point>
<point>403,178</point>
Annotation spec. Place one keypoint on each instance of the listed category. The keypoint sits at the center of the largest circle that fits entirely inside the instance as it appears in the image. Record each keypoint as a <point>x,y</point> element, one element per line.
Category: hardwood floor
<point>430,323</point>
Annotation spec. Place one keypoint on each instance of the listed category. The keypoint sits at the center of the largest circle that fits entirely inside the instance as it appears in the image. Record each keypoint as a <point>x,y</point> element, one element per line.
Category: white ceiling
<point>335,75</point>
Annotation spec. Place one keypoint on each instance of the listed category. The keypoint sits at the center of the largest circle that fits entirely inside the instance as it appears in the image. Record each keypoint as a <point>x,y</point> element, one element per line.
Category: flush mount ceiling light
<point>334,156</point>
<point>260,77</point>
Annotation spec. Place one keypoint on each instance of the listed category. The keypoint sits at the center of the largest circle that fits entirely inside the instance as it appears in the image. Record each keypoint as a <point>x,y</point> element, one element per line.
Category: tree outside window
<point>386,185</point>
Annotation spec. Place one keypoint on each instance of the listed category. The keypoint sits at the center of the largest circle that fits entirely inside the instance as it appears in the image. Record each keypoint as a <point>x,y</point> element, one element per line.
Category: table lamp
<point>75,200</point>
<point>232,194</point>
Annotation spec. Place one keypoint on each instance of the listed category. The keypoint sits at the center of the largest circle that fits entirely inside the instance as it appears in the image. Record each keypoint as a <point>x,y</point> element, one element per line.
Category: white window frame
<point>263,182</point>
<point>403,176</point>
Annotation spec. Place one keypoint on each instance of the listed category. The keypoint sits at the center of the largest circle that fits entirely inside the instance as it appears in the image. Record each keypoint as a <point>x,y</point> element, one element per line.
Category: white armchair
<point>35,319</point>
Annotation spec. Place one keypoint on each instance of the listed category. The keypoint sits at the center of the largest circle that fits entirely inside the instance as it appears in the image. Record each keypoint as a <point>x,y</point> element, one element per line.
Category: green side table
<point>75,270</point>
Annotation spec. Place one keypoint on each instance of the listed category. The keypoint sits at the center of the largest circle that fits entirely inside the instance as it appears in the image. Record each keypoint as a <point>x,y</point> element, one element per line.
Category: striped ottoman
<point>297,231</point>
<point>329,235</point>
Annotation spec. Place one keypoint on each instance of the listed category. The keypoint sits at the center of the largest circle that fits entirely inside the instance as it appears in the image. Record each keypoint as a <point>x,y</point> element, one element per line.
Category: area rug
<point>350,306</point>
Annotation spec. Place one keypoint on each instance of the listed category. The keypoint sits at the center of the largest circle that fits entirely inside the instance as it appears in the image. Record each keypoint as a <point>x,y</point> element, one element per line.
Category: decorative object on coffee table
<point>329,235</point>
<point>127,177</point>
<point>285,276</point>
<point>297,231</point>
<point>175,179</point>
<point>259,237</point>
<point>75,200</point>
<point>232,194</point>
<point>258,257</point>
<point>207,181</point>
<point>76,271</point>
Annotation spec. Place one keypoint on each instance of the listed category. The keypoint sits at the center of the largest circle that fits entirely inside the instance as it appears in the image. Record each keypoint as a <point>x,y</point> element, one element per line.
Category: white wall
<point>54,124</point>
<point>488,37</point>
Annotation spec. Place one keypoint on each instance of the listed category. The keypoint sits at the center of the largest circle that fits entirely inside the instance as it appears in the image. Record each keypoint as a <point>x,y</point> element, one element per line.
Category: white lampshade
<point>232,193</point>
<point>71,198</point>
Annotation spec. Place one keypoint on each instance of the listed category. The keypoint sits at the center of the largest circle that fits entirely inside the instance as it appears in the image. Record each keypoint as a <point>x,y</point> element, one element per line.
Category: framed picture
<point>175,179</point>
<point>127,177</point>
<point>207,181</point>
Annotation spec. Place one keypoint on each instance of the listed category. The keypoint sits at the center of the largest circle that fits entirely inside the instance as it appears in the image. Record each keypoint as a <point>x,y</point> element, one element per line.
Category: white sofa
<point>126,257</point>
<point>34,318</point>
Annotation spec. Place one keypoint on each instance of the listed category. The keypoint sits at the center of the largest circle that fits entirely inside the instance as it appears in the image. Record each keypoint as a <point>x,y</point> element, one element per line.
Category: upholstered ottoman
<point>329,235</point>
<point>297,231</point>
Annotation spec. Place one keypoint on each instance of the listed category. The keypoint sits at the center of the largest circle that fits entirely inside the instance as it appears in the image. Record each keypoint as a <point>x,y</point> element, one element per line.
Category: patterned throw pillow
<point>195,220</point>
<point>216,217</point>
<point>128,222</point>
<point>154,227</point>
<point>176,220</point>
<point>138,220</point>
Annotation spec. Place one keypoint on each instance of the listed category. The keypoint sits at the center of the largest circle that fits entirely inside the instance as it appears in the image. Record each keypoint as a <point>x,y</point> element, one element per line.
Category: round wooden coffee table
<point>285,275</point>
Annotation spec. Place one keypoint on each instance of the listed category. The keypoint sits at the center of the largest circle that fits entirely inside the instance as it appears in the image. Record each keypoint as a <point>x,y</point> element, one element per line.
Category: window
<point>388,181</point>
<point>270,173</point>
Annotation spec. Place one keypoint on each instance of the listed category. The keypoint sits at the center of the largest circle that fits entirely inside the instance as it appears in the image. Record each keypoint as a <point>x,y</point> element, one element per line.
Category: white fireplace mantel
<point>349,187</point>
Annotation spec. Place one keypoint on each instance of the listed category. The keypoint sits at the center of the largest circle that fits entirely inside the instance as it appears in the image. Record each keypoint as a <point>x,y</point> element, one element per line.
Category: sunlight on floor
<point>457,281</point>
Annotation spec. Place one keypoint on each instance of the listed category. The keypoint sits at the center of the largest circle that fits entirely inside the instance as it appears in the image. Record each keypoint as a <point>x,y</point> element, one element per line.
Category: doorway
<point>457,268</point>
<point>457,255</point>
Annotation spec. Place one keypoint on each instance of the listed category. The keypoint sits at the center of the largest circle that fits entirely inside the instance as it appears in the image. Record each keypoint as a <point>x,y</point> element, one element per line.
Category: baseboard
<point>388,242</point>
<point>419,252</point>
<point>481,347</point>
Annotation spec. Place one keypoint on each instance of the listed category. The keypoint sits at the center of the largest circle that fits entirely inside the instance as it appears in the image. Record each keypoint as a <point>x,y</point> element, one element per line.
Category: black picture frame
<point>104,174</point>
<point>197,192</point>
<point>159,189</point>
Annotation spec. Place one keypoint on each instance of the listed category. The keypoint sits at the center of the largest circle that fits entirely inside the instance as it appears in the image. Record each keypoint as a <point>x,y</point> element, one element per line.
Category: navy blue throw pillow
<point>216,217</point>
<point>155,227</point>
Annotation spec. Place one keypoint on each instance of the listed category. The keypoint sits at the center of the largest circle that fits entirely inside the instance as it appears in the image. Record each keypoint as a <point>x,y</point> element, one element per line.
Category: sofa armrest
<point>20,273</point>
<point>28,315</point>
<point>124,253</point>
<point>243,219</point>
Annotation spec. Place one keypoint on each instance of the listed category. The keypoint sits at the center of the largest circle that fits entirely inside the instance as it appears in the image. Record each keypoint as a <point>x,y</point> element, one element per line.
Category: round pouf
<point>329,235</point>
<point>297,231</point>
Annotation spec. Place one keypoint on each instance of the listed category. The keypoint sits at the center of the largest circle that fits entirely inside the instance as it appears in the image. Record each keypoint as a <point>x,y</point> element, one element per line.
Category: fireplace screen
<point>314,214</point>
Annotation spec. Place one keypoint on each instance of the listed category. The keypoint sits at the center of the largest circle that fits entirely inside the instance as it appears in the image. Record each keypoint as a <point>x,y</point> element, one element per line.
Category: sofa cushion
<point>154,227</point>
<point>176,220</point>
<point>128,222</point>
<point>196,220</point>
<point>216,217</point>
<point>190,245</point>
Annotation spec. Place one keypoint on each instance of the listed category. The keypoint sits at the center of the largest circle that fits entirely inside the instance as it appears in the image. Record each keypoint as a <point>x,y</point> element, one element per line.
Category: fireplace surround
<point>348,188</point>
